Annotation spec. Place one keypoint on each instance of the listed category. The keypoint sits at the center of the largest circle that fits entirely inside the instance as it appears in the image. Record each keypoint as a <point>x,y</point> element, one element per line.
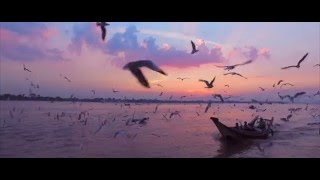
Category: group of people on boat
<point>254,125</point>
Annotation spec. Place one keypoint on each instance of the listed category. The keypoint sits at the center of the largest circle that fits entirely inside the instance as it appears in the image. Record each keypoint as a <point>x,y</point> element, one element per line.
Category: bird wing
<point>288,67</point>
<point>247,62</point>
<point>207,108</point>
<point>139,75</point>
<point>220,97</point>
<point>149,64</point>
<point>104,32</point>
<point>221,66</point>
<point>212,80</point>
<point>279,82</point>
<point>193,45</point>
<point>240,75</point>
<point>303,58</point>
<point>207,83</point>
<point>316,65</point>
<point>299,94</point>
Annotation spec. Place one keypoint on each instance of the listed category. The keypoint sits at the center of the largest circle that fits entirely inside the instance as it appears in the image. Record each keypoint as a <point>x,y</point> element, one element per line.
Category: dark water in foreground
<point>29,131</point>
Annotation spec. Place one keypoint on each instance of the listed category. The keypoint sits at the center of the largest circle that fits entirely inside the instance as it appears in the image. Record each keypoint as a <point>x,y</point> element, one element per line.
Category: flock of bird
<point>135,68</point>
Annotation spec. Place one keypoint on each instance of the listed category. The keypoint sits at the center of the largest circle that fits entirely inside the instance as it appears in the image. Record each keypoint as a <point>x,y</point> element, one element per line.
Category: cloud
<point>27,42</point>
<point>125,46</point>
<point>249,52</point>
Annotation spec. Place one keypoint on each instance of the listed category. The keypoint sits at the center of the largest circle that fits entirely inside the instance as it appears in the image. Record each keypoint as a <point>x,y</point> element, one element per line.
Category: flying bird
<point>94,92</point>
<point>298,65</point>
<point>67,79</point>
<point>161,94</point>
<point>316,65</point>
<point>274,85</point>
<point>286,118</point>
<point>182,97</point>
<point>292,97</point>
<point>234,66</point>
<point>262,89</point>
<point>226,85</point>
<point>194,50</point>
<point>103,29</point>
<point>156,109</point>
<point>286,84</point>
<point>175,113</point>
<point>182,78</point>
<point>218,96</point>
<point>134,67</point>
<point>209,85</point>
<point>208,106</point>
<point>170,97</point>
<point>316,94</point>
<point>279,82</point>
<point>234,73</point>
<point>24,68</point>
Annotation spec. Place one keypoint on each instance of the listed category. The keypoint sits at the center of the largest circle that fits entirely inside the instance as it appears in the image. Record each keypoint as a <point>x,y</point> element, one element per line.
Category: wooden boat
<point>235,133</point>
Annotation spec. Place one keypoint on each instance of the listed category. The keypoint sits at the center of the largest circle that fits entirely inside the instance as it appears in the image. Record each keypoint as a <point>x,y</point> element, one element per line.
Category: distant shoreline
<point>9,97</point>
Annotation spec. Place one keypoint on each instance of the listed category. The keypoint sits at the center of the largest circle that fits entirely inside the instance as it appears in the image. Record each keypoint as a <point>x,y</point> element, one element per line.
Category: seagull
<point>286,84</point>
<point>194,50</point>
<point>316,94</point>
<point>198,114</point>
<point>287,118</point>
<point>134,67</point>
<point>67,79</point>
<point>170,97</point>
<point>94,92</point>
<point>208,106</point>
<point>234,66</point>
<point>226,85</point>
<point>161,94</point>
<point>175,113</point>
<point>298,65</point>
<point>218,96</point>
<point>262,89</point>
<point>209,85</point>
<point>182,78</point>
<point>234,73</point>
<point>294,110</point>
<point>103,29</point>
<point>119,132</point>
<point>293,97</point>
<point>155,110</point>
<point>279,82</point>
<point>273,85</point>
<point>182,97</point>
<point>316,65</point>
<point>24,68</point>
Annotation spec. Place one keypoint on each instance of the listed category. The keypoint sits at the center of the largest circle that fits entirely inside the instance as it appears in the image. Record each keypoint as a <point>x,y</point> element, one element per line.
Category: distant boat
<point>235,133</point>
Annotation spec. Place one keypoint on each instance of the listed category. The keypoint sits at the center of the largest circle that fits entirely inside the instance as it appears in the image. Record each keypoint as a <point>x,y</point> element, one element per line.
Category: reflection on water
<point>44,129</point>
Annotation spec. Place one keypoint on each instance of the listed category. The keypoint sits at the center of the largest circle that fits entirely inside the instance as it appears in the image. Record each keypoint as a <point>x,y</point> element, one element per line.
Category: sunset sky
<point>75,49</point>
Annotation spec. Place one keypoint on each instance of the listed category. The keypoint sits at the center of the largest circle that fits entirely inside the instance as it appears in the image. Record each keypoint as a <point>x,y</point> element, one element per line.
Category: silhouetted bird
<point>103,29</point>
<point>298,65</point>
<point>134,67</point>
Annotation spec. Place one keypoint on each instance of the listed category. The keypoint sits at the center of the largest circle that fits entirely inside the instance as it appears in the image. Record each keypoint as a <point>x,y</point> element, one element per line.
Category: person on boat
<point>262,124</point>
<point>237,126</point>
<point>245,126</point>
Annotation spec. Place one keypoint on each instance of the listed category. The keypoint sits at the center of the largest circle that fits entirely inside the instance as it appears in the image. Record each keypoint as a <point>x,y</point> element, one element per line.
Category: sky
<point>75,50</point>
